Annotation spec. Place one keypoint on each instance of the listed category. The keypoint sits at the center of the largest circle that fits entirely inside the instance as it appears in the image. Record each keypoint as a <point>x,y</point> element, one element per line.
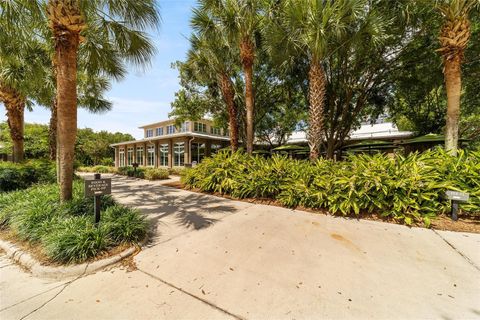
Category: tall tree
<point>210,57</point>
<point>310,28</point>
<point>454,37</point>
<point>240,20</point>
<point>70,22</point>
<point>22,61</point>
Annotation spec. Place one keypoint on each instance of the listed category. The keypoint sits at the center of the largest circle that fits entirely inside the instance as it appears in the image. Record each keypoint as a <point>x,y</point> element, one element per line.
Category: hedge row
<point>406,188</point>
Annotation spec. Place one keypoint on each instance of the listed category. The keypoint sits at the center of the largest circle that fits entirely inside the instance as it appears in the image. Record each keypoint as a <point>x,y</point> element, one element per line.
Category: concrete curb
<point>30,263</point>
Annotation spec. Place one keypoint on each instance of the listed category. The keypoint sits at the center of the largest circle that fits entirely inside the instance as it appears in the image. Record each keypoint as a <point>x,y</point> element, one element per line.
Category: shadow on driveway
<point>166,206</point>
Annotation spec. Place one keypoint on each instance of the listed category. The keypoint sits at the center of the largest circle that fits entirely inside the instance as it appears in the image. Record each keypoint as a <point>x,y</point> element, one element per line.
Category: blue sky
<point>143,96</point>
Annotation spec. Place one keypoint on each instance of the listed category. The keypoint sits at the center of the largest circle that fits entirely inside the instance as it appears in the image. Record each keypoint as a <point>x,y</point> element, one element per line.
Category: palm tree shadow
<point>158,203</point>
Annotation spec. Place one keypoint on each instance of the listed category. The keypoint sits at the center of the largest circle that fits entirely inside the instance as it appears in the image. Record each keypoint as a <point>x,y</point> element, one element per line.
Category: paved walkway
<point>212,258</point>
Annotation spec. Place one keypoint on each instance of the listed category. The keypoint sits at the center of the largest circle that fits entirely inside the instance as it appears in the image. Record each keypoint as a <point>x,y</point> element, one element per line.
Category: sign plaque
<point>98,187</point>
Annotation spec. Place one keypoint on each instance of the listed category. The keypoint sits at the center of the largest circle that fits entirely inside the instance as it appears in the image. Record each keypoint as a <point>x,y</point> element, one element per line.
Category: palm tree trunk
<point>317,82</point>
<point>228,97</point>
<point>66,58</point>
<point>453,83</point>
<point>15,105</point>
<point>52,132</point>
<point>247,56</point>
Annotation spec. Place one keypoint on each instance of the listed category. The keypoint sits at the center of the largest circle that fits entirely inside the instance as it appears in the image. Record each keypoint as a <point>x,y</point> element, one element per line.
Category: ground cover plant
<point>406,188</point>
<point>16,176</point>
<point>65,232</point>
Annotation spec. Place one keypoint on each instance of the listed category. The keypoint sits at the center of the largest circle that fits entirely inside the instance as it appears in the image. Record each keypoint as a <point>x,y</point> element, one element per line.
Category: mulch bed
<point>465,223</point>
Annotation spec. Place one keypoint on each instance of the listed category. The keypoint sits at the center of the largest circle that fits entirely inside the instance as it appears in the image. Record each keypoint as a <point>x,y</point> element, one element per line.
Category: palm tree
<point>211,57</point>
<point>309,28</point>
<point>21,71</point>
<point>71,23</point>
<point>240,20</point>
<point>454,37</point>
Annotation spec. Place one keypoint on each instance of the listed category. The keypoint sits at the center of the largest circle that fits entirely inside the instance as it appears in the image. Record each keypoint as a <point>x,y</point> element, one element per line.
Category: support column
<point>125,154</point>
<point>170,153</point>
<point>157,156</point>
<point>145,154</point>
<point>117,159</point>
<point>187,155</point>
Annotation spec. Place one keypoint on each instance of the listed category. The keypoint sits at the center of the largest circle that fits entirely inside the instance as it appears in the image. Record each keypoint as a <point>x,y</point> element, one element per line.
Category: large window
<point>151,156</point>
<point>129,156</point>
<point>159,131</point>
<point>171,129</point>
<point>198,152</point>
<point>163,149</point>
<point>199,127</point>
<point>140,156</point>
<point>215,130</point>
<point>179,154</point>
<point>121,155</point>
<point>149,133</point>
<point>184,126</point>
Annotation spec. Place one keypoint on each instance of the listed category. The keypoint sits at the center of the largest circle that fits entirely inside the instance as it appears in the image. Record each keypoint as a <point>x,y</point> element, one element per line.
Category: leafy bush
<point>156,173</point>
<point>66,231</point>
<point>15,176</point>
<point>176,171</point>
<point>406,188</point>
<point>107,162</point>
<point>132,172</point>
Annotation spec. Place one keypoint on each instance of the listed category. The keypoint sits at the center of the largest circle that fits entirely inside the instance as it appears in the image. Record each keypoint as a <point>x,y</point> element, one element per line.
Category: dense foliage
<point>21,176</point>
<point>66,231</point>
<point>405,188</point>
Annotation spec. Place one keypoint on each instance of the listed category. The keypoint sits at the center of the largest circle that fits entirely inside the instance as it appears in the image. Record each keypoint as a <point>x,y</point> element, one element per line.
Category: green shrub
<point>131,172</point>
<point>75,240</point>
<point>176,171</point>
<point>156,173</point>
<point>107,162</point>
<point>410,188</point>
<point>15,176</point>
<point>66,231</point>
<point>124,224</point>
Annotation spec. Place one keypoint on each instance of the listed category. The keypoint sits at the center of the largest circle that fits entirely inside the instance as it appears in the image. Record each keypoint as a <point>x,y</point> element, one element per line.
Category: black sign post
<point>456,197</point>
<point>96,188</point>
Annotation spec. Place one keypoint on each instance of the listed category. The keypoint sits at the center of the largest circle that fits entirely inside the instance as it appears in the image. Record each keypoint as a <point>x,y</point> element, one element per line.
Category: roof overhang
<point>171,136</point>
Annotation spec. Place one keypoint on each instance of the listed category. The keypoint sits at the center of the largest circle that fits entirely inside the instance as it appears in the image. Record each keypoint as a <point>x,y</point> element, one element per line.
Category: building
<point>379,130</point>
<point>167,145</point>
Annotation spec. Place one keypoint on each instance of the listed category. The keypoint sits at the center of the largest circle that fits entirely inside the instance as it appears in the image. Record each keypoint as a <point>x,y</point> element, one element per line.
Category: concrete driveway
<point>215,258</point>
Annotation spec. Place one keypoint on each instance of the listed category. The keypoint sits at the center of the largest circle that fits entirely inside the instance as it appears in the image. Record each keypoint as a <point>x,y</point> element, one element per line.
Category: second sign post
<point>96,188</point>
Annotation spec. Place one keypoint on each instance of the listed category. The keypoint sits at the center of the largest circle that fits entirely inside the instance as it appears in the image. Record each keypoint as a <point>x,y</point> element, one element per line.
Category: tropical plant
<point>211,53</point>
<point>309,28</point>
<point>405,188</point>
<point>65,232</point>
<point>240,21</point>
<point>71,22</point>
<point>22,61</point>
<point>454,38</point>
